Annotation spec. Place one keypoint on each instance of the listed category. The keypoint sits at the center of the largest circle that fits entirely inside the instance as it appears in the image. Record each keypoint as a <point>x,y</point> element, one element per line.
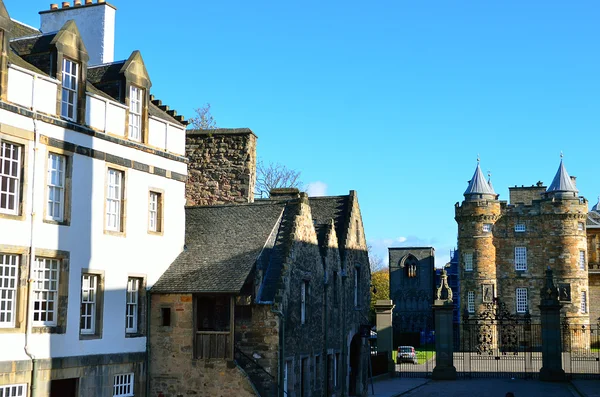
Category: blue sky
<point>393,99</point>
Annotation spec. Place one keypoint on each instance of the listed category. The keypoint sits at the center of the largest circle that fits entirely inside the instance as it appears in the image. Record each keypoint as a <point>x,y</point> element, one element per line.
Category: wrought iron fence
<point>581,351</point>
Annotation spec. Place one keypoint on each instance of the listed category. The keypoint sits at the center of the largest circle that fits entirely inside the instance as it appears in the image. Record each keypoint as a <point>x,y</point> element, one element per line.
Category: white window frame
<point>468,259</point>
<point>123,385</point>
<point>153,211</point>
<point>70,84</point>
<point>520,227</point>
<point>114,199</point>
<point>89,303</point>
<point>10,153</point>
<point>580,226</point>
<point>521,259</point>
<point>521,300</point>
<point>46,272</point>
<point>57,165</point>
<point>584,306</point>
<point>471,302</point>
<point>487,227</point>
<point>9,279</point>
<point>132,305</point>
<point>581,260</point>
<point>18,390</point>
<point>303,293</point>
<point>135,113</point>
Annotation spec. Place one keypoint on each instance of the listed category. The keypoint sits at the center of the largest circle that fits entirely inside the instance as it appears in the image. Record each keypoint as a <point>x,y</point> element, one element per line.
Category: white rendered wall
<point>31,90</point>
<point>157,133</point>
<point>135,253</point>
<point>95,22</point>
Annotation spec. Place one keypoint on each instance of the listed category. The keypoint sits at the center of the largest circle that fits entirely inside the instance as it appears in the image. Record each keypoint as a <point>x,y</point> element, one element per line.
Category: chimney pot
<point>54,6</point>
<point>101,1</point>
<point>88,2</point>
<point>65,4</point>
<point>77,3</point>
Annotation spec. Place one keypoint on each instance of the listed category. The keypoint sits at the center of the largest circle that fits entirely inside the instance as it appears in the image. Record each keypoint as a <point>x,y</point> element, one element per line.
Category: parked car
<point>407,354</point>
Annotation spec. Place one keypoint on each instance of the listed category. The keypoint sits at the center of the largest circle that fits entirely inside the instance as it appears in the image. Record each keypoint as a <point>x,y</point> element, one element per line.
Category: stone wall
<point>173,371</point>
<point>222,166</point>
<point>526,194</point>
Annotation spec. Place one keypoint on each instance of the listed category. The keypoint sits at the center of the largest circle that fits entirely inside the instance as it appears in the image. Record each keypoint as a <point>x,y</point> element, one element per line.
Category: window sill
<point>114,233</point>
<point>134,335</point>
<point>89,336</point>
<point>12,330</point>
<point>47,329</point>
<point>155,233</point>
<point>59,223</point>
<point>12,216</point>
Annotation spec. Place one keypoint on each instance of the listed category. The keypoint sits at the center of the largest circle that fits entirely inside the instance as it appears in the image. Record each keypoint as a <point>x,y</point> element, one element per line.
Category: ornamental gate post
<point>552,370</point>
<point>444,332</point>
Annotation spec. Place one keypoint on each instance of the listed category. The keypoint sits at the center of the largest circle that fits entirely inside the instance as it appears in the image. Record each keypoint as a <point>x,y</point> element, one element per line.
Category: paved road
<point>493,388</point>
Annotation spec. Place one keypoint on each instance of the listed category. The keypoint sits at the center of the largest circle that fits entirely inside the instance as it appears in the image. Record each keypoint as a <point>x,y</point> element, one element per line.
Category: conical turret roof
<point>562,182</point>
<point>479,186</point>
<point>596,206</point>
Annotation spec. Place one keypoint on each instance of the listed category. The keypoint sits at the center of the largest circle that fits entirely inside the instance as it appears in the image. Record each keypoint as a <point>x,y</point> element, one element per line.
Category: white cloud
<point>315,189</point>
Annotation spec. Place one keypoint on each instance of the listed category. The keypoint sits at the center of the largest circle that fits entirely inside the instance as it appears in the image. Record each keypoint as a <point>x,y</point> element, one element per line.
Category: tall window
<point>56,187</point>
<point>45,290</point>
<point>521,300</point>
<point>582,260</point>
<point>9,266</point>
<point>89,296</point>
<point>468,257</point>
<point>133,294</point>
<point>521,258</point>
<point>10,177</point>
<point>123,385</point>
<point>471,302</point>
<point>135,113</point>
<point>13,390</point>
<point>303,299</point>
<point>114,200</point>
<point>356,286</point>
<point>155,212</point>
<point>69,89</point>
<point>584,301</point>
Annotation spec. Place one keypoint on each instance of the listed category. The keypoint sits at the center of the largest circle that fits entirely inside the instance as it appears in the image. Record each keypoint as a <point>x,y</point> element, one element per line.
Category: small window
<point>123,385</point>
<point>522,305</point>
<point>520,227</point>
<point>89,296</point>
<point>335,288</point>
<point>45,291</point>
<point>155,212</point>
<point>317,371</point>
<point>69,89</point>
<point>9,276</point>
<point>336,369</point>
<point>468,258</point>
<point>581,260</point>
<point>521,258</point>
<point>10,177</point>
<point>580,226</point>
<point>584,301</point>
<point>471,302</point>
<point>13,390</point>
<point>487,227</point>
<point>356,286</point>
<point>165,316</point>
<point>56,187</point>
<point>135,113</point>
<point>303,301</point>
<point>114,200</point>
<point>133,288</point>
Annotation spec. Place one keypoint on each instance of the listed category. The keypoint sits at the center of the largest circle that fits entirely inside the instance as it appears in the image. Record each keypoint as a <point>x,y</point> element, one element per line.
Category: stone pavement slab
<point>587,388</point>
<point>390,387</point>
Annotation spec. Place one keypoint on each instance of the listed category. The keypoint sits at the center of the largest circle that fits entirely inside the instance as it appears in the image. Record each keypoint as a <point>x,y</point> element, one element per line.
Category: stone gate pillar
<point>552,370</point>
<point>444,332</point>
<point>385,334</point>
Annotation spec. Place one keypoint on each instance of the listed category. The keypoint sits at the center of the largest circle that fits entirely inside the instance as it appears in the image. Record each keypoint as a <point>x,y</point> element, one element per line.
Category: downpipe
<point>280,370</point>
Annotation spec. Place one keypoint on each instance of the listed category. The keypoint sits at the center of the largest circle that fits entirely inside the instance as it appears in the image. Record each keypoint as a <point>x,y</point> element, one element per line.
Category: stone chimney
<point>284,193</point>
<point>95,21</point>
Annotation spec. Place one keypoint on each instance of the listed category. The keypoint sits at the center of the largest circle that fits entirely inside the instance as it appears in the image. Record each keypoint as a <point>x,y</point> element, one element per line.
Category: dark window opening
<point>165,315</point>
<point>213,313</point>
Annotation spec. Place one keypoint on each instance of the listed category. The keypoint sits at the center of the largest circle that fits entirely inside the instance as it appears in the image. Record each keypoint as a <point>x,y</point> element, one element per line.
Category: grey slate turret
<point>562,185</point>
<point>479,188</point>
<point>596,207</point>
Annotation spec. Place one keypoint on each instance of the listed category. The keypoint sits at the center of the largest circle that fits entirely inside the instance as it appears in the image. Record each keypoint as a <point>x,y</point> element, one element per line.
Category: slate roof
<point>562,181</point>
<point>223,243</point>
<point>596,206</point>
<point>105,72</point>
<point>324,209</point>
<point>32,45</point>
<point>19,29</point>
<point>478,184</point>
<point>17,60</point>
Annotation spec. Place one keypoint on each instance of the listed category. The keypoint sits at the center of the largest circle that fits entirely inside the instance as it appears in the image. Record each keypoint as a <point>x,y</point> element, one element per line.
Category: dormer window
<point>69,89</point>
<point>135,113</point>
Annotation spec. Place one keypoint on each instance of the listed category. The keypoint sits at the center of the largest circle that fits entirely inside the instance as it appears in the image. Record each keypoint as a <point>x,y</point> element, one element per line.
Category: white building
<point>92,186</point>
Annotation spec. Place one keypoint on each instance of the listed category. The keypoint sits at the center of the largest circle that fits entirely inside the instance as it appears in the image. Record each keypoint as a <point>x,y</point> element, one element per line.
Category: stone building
<point>412,278</point>
<point>505,248</point>
<point>593,249</point>
<point>268,297</point>
<point>92,185</point>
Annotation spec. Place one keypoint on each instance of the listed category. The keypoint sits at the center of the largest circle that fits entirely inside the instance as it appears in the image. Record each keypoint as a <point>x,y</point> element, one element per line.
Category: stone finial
<point>550,291</point>
<point>443,294</point>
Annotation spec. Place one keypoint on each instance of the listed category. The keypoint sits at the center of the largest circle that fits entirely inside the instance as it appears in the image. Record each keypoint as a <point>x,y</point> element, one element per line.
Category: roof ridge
<point>24,24</point>
<point>226,205</point>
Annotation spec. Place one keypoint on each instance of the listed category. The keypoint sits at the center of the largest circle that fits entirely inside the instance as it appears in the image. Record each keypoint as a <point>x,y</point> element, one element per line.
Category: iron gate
<point>581,351</point>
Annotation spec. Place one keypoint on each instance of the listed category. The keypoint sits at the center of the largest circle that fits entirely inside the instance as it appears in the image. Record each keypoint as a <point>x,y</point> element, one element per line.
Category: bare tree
<point>375,261</point>
<point>273,176</point>
<point>203,120</point>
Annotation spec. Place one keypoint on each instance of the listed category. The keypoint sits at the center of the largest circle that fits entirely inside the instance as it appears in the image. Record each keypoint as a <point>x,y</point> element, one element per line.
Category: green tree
<point>380,289</point>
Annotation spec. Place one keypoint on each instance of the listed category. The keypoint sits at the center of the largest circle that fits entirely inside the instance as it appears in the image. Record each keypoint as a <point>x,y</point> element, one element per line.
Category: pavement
<point>488,387</point>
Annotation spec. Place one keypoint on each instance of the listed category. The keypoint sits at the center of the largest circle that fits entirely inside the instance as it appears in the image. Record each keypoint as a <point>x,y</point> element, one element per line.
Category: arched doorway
<point>355,366</point>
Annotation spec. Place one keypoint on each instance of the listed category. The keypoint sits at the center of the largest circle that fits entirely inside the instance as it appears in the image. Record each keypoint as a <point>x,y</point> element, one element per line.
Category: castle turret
<point>476,218</point>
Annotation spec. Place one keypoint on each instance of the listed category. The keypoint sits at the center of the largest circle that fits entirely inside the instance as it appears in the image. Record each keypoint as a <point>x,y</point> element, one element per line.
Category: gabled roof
<point>105,72</point>
<point>478,185</point>
<point>223,244</point>
<point>325,209</point>
<point>19,29</point>
<point>562,181</point>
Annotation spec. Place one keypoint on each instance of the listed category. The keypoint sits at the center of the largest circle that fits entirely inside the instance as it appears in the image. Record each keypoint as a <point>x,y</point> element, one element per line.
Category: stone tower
<point>505,247</point>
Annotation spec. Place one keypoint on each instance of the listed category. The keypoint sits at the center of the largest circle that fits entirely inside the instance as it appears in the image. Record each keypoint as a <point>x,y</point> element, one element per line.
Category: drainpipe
<point>28,319</point>
<point>279,313</point>
<point>148,315</point>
